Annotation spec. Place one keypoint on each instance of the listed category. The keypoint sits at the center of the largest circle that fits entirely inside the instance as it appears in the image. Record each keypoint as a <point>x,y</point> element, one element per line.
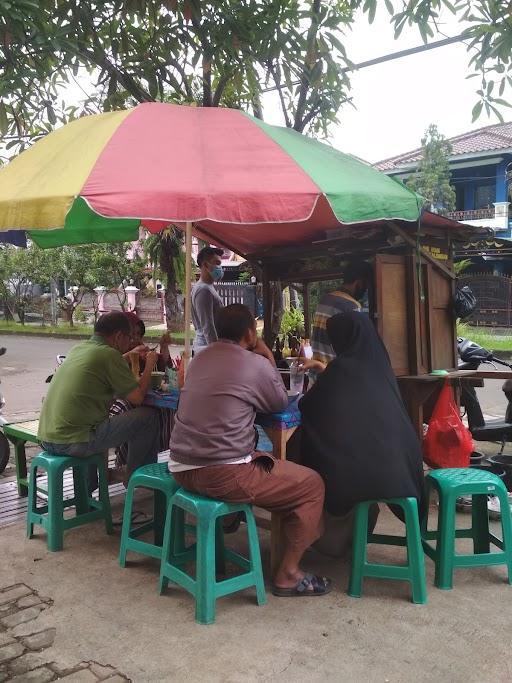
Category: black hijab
<point>355,431</point>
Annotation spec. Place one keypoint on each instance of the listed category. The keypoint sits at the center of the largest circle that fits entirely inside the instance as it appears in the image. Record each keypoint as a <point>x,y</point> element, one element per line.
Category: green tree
<point>20,269</point>
<point>432,177</point>
<point>212,52</point>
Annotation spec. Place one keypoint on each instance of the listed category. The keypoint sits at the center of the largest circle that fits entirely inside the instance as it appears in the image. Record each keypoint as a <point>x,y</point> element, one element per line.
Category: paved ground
<point>89,612</point>
<point>76,616</point>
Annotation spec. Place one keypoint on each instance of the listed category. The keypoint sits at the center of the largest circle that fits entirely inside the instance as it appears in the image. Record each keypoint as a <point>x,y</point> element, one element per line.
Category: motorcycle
<point>4,443</point>
<point>59,360</point>
<point>471,356</point>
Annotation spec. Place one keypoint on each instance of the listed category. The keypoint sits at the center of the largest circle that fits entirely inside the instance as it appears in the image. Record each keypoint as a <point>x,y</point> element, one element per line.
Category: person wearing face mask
<point>356,279</point>
<point>75,418</point>
<point>205,300</point>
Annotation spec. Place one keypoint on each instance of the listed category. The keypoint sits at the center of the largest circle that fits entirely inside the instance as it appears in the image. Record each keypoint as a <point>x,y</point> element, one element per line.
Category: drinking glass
<point>296,378</point>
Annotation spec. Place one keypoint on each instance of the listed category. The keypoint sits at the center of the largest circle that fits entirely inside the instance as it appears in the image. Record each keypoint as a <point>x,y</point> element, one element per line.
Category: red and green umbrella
<point>241,182</point>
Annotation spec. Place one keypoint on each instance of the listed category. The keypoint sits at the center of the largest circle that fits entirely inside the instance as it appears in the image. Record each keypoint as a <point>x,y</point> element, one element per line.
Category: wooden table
<point>279,427</point>
<point>418,390</point>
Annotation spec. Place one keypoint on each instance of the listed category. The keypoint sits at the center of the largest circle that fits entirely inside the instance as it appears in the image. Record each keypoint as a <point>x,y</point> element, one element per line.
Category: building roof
<point>490,138</point>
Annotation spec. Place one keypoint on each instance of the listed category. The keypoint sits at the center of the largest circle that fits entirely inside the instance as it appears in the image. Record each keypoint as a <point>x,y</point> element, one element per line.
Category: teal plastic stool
<point>450,484</point>
<point>208,553</point>
<point>51,516</point>
<point>157,478</point>
<point>413,571</point>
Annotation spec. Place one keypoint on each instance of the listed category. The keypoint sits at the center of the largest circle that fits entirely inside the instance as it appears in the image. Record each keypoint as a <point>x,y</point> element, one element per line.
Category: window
<point>485,195</point>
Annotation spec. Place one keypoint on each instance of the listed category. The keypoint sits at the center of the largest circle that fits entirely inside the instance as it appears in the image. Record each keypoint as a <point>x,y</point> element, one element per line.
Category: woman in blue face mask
<point>205,300</point>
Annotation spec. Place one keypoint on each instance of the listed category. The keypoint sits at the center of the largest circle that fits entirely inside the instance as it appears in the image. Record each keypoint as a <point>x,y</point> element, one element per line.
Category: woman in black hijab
<point>355,431</point>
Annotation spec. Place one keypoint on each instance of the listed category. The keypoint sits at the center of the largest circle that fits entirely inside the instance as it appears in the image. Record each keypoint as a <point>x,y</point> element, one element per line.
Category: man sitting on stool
<point>213,445</point>
<point>75,416</point>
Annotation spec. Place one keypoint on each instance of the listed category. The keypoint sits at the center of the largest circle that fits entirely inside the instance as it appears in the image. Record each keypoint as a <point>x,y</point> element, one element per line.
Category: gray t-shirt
<point>226,386</point>
<point>205,304</point>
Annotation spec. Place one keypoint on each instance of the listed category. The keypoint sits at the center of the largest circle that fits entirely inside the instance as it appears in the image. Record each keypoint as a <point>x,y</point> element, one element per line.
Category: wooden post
<point>188,290</point>
<point>267,308</point>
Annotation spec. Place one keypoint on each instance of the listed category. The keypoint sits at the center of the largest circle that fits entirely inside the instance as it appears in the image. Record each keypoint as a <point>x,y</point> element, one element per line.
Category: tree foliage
<point>432,177</point>
<point>19,270</point>
<point>211,52</point>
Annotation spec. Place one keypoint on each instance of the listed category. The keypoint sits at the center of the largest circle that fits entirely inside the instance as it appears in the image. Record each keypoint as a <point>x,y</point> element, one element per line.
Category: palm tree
<point>165,251</point>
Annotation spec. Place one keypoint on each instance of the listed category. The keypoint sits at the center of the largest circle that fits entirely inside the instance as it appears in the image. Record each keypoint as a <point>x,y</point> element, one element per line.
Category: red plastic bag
<point>447,443</point>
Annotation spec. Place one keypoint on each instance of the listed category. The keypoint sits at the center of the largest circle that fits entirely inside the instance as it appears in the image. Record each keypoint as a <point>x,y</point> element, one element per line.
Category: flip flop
<point>310,586</point>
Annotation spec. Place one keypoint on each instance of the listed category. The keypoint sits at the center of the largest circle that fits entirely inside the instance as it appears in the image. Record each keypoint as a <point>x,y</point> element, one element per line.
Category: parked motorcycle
<point>471,356</point>
<point>59,360</point>
<point>4,443</point>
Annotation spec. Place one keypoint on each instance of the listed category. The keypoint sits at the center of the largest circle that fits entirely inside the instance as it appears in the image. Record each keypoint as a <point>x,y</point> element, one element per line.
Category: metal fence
<point>493,295</point>
<point>237,293</point>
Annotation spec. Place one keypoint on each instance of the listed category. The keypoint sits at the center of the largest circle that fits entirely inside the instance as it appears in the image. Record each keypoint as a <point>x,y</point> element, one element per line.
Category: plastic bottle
<point>308,351</point>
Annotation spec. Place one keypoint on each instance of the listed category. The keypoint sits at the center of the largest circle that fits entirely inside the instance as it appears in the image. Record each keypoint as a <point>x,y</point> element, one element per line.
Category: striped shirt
<point>330,304</point>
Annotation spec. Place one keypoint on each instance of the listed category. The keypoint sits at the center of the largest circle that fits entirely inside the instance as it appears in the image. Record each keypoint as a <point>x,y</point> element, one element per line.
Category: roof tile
<point>490,138</point>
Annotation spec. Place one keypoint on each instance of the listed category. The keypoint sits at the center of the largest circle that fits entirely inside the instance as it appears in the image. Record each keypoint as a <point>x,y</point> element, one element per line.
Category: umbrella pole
<point>188,283</point>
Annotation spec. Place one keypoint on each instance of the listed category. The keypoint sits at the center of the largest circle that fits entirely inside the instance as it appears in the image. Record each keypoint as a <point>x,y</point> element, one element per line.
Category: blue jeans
<point>139,428</point>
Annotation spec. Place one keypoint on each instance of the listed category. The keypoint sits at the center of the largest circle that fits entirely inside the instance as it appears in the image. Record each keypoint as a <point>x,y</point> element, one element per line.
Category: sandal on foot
<point>310,586</point>
<point>138,517</point>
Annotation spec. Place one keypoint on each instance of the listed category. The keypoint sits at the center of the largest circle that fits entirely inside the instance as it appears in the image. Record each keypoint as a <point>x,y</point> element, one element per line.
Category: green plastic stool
<point>51,516</point>
<point>450,484</point>
<point>208,553</point>
<point>413,571</point>
<point>157,478</point>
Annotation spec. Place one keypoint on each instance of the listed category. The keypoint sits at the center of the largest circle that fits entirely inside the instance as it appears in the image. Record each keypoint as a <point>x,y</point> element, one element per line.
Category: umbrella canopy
<point>242,183</point>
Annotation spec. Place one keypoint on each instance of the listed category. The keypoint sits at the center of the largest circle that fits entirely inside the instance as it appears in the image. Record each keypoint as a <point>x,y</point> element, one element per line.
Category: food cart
<point>411,300</point>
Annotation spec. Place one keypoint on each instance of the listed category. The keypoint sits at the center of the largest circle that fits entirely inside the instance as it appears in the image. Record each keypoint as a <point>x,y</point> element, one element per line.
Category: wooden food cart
<point>411,300</point>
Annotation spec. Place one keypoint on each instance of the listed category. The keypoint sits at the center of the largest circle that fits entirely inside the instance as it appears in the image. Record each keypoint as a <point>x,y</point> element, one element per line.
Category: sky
<point>395,102</point>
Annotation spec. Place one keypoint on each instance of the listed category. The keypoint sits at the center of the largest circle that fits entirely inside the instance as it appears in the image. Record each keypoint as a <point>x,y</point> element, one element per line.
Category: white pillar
<point>501,215</point>
<point>100,293</point>
<point>131,294</point>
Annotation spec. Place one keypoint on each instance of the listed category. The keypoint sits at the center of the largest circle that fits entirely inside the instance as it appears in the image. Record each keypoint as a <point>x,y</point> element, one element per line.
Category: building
<point>481,166</point>
<point>481,173</point>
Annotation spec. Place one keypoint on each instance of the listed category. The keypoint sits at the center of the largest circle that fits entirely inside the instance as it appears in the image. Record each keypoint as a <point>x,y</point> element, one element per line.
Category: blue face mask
<point>217,273</point>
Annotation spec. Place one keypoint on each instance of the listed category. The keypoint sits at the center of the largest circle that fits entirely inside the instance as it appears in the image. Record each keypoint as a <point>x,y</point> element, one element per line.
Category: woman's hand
<point>310,364</point>
<point>165,339</point>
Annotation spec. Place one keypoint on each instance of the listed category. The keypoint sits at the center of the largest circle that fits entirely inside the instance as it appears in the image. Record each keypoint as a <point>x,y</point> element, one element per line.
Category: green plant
<point>460,266</point>
<point>292,327</point>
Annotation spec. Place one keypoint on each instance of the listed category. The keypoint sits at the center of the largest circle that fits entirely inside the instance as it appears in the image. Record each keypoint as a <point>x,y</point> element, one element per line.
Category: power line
<point>389,57</point>
<point>355,67</point>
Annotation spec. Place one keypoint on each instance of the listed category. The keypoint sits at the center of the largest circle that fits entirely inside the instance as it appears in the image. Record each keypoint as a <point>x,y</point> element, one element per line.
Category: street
<point>25,367</point>
<point>29,361</point>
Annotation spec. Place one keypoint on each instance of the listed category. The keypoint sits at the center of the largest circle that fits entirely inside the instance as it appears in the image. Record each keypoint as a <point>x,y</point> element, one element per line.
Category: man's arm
<point>271,395</point>
<point>136,397</point>
<point>204,308</point>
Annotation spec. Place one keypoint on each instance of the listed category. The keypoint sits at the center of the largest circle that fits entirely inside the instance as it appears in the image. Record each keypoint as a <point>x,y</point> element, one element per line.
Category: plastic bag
<point>464,303</point>
<point>447,443</point>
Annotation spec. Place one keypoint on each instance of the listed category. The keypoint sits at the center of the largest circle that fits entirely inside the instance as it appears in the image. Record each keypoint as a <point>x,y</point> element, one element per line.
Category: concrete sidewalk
<point>94,621</point>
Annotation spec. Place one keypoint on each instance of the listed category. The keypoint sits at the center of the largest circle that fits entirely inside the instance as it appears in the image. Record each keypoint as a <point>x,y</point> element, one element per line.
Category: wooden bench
<point>20,433</point>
